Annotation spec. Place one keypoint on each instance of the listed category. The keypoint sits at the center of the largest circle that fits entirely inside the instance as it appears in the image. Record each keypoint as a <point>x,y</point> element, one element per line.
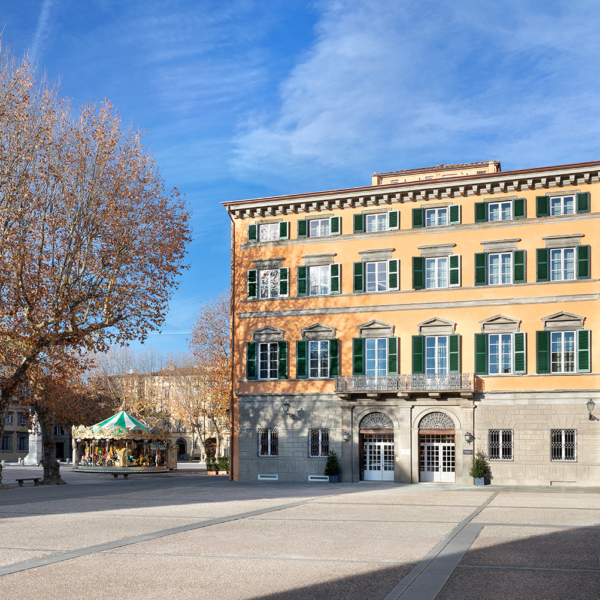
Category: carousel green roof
<point>121,419</point>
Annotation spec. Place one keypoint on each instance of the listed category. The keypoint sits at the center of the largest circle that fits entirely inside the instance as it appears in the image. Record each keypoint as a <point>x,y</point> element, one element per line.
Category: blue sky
<point>245,98</point>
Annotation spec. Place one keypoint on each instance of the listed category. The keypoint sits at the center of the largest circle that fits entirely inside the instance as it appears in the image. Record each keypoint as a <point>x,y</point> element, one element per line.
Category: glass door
<point>378,457</point>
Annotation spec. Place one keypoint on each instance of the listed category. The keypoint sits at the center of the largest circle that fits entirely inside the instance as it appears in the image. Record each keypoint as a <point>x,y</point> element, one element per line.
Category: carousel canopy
<point>121,419</point>
<point>121,426</point>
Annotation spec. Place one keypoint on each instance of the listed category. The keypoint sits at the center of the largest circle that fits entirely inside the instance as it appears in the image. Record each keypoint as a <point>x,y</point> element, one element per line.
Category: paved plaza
<point>187,535</point>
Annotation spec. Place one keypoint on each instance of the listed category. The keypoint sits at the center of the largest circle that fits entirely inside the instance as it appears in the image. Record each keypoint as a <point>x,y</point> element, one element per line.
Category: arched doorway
<point>181,449</point>
<point>377,447</point>
<point>437,455</point>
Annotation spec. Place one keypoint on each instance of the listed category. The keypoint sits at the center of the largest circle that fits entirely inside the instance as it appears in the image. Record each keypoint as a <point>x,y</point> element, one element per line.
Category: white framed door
<point>437,458</point>
<point>378,457</point>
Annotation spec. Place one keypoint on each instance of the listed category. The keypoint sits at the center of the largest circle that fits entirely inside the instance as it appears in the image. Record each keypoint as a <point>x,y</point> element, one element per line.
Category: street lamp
<point>286,407</point>
<point>590,406</point>
<point>469,437</point>
<point>346,436</point>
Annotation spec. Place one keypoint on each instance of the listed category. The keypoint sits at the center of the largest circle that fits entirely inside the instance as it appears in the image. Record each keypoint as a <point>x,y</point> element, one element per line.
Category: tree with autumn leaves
<point>91,243</point>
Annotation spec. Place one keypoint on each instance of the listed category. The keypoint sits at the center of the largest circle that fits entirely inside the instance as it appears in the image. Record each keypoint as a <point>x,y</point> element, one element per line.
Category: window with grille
<point>318,442</point>
<point>267,442</point>
<point>500,444</point>
<point>563,444</point>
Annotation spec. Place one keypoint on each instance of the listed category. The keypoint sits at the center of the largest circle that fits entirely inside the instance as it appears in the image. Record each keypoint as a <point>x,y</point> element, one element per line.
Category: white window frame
<point>563,445</point>
<point>500,206</point>
<point>437,357</point>
<point>380,344</point>
<point>273,284</point>
<point>322,269</point>
<point>322,433</point>
<point>562,334</point>
<point>561,252</point>
<point>443,210</point>
<point>270,362</point>
<point>377,272</point>
<point>506,443</point>
<point>489,268</point>
<point>321,223</point>
<point>437,261</point>
<point>379,219</point>
<point>500,353</point>
<point>322,349</point>
<point>272,236</point>
<point>269,433</point>
<point>562,205</point>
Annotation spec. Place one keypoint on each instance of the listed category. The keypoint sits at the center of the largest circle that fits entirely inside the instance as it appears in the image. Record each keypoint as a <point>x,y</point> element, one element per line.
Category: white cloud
<point>41,31</point>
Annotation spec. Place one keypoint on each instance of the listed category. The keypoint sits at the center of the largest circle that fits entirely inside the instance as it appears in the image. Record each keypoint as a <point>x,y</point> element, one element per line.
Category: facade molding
<point>317,260</point>
<point>509,245</point>
<point>268,333</point>
<point>436,250</point>
<point>436,326</point>
<point>375,255</point>
<point>563,321</point>
<point>268,263</point>
<point>563,241</point>
<point>500,324</point>
<point>375,329</point>
<point>318,331</point>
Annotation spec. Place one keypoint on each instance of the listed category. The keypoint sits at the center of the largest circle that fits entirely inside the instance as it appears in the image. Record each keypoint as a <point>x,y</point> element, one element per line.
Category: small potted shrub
<point>212,467</point>
<point>223,465</point>
<point>332,468</point>
<point>480,469</point>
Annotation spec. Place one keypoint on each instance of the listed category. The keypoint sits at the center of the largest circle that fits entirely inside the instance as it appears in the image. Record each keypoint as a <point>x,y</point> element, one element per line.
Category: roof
<point>442,167</point>
<point>121,419</point>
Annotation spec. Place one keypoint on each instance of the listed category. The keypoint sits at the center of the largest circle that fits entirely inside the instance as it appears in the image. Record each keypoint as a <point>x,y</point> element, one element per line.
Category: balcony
<point>405,386</point>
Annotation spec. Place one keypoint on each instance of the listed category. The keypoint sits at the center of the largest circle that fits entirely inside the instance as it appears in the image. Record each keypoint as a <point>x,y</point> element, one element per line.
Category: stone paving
<point>188,535</point>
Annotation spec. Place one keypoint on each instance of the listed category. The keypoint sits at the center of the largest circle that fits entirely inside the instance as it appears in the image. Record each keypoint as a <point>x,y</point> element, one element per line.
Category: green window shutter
<point>335,225</point>
<point>542,206</point>
<point>455,214</point>
<point>393,219</point>
<point>251,362</point>
<point>301,359</point>
<point>418,275</point>
<point>393,356</point>
<point>520,353</point>
<point>252,233</point>
<point>334,357</point>
<point>418,218</point>
<point>284,230</point>
<point>302,228</point>
<point>393,274</point>
<point>584,350</point>
<point>454,343</point>
<point>252,284</point>
<point>454,261</point>
<point>418,354</point>
<point>282,366</point>
<point>543,351</point>
<point>481,212</point>
<point>543,269</point>
<point>481,354</point>
<point>358,356</point>
<point>519,208</point>
<point>583,262</point>
<point>359,223</point>
<point>481,268</point>
<point>335,278</point>
<point>284,281</point>
<point>519,267</point>
<point>583,202</point>
<point>302,281</point>
<point>359,278</point>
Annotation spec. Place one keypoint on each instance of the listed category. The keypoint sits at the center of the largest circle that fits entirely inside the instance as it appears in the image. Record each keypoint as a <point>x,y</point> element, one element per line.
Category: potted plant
<point>332,468</point>
<point>480,469</point>
<point>211,466</point>
<point>223,465</point>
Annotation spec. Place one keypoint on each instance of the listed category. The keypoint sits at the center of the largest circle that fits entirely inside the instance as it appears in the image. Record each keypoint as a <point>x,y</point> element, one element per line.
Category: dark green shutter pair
<point>418,354</point>
<point>335,279</point>
<point>519,266</point>
<point>583,269</point>
<point>284,283</point>
<point>393,276</point>
<point>583,351</point>
<point>393,221</point>
<point>418,216</point>
<point>252,233</point>
<point>482,358</point>
<point>519,210</point>
<point>582,201</point>
<point>335,227</point>
<point>359,358</point>
<point>418,273</point>
<point>252,360</point>
<point>284,231</point>
<point>302,358</point>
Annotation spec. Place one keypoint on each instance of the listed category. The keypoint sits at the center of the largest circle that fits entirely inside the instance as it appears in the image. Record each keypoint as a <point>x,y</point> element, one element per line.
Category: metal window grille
<point>319,442</point>
<point>267,442</point>
<point>563,445</point>
<point>500,444</point>
<point>7,443</point>
<point>23,443</point>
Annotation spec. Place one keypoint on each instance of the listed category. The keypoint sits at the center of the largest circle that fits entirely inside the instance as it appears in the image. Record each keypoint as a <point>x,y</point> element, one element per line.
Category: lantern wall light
<point>346,436</point>
<point>590,406</point>
<point>469,437</point>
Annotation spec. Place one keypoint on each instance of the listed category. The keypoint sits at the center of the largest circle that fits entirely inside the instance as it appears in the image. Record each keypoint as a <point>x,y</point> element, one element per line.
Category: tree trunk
<point>49,462</point>
<point>3,416</point>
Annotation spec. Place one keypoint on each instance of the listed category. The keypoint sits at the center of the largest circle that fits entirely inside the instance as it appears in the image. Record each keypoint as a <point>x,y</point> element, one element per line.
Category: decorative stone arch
<point>375,329</point>
<point>376,420</point>
<point>437,420</point>
<point>268,334</point>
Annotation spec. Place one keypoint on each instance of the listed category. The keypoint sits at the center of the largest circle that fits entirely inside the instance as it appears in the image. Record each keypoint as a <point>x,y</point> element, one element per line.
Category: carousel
<point>122,445</point>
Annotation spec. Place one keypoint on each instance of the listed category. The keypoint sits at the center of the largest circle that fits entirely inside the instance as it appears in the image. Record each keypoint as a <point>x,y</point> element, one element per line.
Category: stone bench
<point>34,479</point>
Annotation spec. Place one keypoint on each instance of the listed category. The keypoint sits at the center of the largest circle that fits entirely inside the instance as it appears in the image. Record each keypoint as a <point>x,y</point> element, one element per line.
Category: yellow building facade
<point>408,324</point>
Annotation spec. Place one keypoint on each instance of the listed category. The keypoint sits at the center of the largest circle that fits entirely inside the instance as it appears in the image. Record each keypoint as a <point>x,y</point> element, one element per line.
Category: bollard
<point>3,464</point>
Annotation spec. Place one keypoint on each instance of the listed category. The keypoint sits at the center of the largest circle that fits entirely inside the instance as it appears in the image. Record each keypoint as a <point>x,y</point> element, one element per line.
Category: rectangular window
<point>319,280</point>
<point>268,233</point>
<point>562,205</point>
<point>318,442</point>
<point>318,359</point>
<point>436,272</point>
<point>269,283</point>
<point>377,222</point>
<point>23,419</point>
<point>500,268</point>
<point>268,360</point>
<point>500,211</point>
<point>435,217</point>
<point>563,444</point>
<point>376,350</point>
<point>9,419</point>
<point>268,442</point>
<point>23,443</point>
<point>436,355</point>
<point>377,278</point>
<point>500,353</point>
<point>7,442</point>
<point>563,351</point>
<point>318,227</point>
<point>562,264</point>
<point>500,444</point>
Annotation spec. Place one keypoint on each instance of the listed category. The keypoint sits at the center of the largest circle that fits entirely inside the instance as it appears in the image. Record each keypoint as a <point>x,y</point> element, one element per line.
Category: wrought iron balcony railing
<point>459,382</point>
